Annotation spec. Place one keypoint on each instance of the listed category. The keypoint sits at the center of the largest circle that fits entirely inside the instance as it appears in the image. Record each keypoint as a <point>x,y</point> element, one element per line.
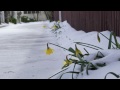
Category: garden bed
<point>103,59</point>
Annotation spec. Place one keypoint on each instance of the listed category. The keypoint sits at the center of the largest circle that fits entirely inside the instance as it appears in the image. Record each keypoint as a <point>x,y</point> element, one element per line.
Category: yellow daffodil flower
<point>49,50</point>
<point>67,62</point>
<point>54,27</point>
<point>77,51</point>
<point>44,26</point>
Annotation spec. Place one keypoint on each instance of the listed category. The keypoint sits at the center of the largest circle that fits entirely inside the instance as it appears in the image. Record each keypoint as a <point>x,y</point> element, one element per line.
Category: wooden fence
<point>92,20</point>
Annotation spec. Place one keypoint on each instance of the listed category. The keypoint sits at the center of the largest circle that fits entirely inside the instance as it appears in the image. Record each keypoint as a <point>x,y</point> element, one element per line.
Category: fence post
<point>0,16</point>
<point>60,16</point>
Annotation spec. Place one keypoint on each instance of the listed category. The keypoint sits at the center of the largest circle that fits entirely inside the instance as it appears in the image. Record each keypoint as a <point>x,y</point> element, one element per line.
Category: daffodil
<point>77,51</point>
<point>67,62</point>
<point>49,50</point>
<point>44,26</point>
<point>54,27</point>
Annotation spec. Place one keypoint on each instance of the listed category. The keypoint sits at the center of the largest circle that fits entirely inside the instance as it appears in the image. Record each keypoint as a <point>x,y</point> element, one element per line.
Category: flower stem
<point>73,70</point>
<point>107,38</point>
<point>59,46</point>
<point>57,73</point>
<point>86,51</point>
<point>80,43</point>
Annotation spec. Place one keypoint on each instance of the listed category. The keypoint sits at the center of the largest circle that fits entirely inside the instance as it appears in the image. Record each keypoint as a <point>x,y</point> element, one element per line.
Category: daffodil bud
<point>77,51</point>
<point>49,50</point>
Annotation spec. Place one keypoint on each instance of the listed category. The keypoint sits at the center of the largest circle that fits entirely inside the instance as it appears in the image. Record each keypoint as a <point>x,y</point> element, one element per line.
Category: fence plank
<point>92,20</point>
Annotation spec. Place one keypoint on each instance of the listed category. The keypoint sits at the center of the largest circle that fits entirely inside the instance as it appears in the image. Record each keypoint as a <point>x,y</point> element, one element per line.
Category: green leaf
<point>99,55</point>
<point>87,69</point>
<point>59,46</point>
<point>71,50</point>
<point>79,57</point>
<point>73,70</point>
<point>65,66</point>
<point>107,38</point>
<point>82,67</point>
<point>117,76</point>
<point>116,42</point>
<point>98,37</point>
<point>58,73</point>
<point>87,52</point>
<point>118,45</point>
<point>73,60</point>
<point>90,66</point>
<point>110,40</point>
<point>73,55</point>
<point>68,72</point>
<point>101,64</point>
<point>88,45</point>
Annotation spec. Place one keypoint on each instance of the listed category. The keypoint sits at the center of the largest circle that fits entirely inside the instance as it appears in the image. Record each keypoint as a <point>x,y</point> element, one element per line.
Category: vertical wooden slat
<point>115,23</point>
<point>75,22</point>
<point>82,20</point>
<point>92,20</point>
<point>56,15</point>
<point>118,22</point>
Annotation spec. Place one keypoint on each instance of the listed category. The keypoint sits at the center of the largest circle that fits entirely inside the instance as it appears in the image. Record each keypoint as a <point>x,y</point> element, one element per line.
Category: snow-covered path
<point>22,53</point>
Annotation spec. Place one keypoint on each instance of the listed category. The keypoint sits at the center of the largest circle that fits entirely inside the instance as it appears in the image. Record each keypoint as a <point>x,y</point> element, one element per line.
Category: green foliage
<point>71,50</point>
<point>116,75</point>
<point>110,43</point>
<point>56,26</point>
<point>99,55</point>
<point>89,45</point>
<point>24,19</point>
<point>90,66</point>
<point>73,72</point>
<point>31,20</point>
<point>12,20</point>
<point>98,37</point>
<point>87,65</point>
<point>117,45</point>
<point>100,64</point>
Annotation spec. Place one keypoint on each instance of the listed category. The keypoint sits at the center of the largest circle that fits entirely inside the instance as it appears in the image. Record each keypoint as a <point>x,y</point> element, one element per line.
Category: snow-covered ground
<point>3,25</point>
<point>67,36</point>
<point>22,53</point>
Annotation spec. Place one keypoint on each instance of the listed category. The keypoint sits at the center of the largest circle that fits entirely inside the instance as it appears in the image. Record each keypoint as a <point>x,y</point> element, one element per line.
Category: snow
<point>69,35</point>
<point>22,53</point>
<point>3,25</point>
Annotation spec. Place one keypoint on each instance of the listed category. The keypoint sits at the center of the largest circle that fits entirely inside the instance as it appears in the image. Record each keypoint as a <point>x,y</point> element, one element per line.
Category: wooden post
<point>60,16</point>
<point>0,16</point>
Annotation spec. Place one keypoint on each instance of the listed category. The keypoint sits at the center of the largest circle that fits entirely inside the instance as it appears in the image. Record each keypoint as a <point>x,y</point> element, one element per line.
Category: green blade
<point>110,40</point>
<point>98,37</point>
<point>117,76</point>
<point>87,69</point>
<point>68,72</point>
<point>88,45</point>
<point>71,50</point>
<point>116,42</point>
